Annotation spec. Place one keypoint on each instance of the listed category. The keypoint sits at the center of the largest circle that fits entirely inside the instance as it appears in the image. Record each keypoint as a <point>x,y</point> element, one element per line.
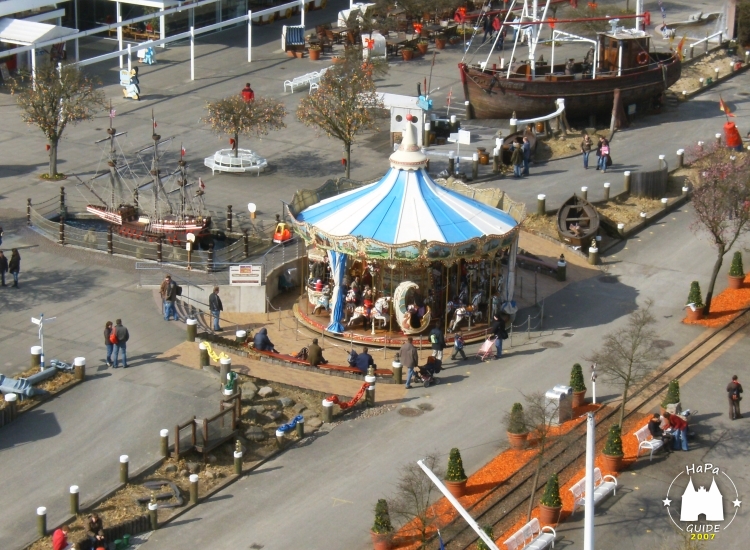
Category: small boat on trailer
<point>577,222</point>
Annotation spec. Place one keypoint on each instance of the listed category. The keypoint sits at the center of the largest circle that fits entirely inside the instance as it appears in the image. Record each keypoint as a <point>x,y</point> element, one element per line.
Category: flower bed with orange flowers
<point>508,463</point>
<point>726,306</point>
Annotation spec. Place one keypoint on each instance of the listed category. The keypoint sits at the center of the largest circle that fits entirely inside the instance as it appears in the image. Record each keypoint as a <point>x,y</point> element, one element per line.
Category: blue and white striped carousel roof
<point>406,206</point>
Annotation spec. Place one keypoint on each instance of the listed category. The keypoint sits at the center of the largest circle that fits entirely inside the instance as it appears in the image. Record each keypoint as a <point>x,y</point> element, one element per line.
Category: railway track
<point>500,508</point>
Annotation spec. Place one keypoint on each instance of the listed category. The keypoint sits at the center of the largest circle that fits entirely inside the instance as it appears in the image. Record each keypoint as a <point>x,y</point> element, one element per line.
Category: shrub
<point>382,525</point>
<point>480,543</point>
<point>737,270</point>
<point>516,420</point>
<point>576,378</point>
<point>455,467</point>
<point>673,394</point>
<point>614,442</point>
<point>551,496</point>
<point>695,296</point>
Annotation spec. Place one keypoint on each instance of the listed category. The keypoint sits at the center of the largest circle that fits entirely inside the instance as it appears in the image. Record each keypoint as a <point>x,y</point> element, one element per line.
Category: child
<point>458,346</point>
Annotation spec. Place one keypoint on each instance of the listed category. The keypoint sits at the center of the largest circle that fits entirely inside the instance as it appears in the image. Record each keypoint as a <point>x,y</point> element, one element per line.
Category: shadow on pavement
<point>42,287</point>
<point>30,426</point>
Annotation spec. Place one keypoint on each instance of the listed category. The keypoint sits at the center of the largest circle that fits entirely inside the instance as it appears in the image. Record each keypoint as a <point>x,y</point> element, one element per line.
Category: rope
<point>348,404</point>
<point>290,425</point>
<point>212,354</point>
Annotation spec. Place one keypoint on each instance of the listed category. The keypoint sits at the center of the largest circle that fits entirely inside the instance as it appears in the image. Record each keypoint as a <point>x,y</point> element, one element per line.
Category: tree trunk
<point>52,160</point>
<point>622,405</point>
<point>534,484</point>
<point>348,158</point>
<point>714,274</point>
<point>236,145</point>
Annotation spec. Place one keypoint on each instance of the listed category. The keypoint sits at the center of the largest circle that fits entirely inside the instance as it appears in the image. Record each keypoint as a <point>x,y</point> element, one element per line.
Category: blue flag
<point>442,546</point>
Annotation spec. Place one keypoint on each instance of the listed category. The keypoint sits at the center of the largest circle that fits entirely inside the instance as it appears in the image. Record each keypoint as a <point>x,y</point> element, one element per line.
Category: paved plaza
<point>322,495</point>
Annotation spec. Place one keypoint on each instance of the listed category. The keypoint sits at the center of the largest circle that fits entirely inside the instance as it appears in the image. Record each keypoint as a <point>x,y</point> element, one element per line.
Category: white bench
<point>602,488</point>
<point>531,537</point>
<point>301,81</point>
<point>645,441</point>
<point>245,161</point>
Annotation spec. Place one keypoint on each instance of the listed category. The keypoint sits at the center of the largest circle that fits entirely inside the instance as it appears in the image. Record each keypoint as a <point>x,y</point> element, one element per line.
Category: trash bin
<point>560,400</point>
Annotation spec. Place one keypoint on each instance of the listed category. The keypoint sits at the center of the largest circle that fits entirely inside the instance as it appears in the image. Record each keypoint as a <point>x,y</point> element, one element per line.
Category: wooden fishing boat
<point>577,222</point>
<point>621,60</point>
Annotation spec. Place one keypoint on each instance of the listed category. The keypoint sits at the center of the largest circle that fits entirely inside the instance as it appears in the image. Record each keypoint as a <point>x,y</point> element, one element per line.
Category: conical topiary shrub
<point>695,297</point>
<point>736,269</point>
<point>455,477</point>
<point>613,447</point>
<point>578,385</point>
<point>550,503</point>
<point>382,529</point>
<point>515,424</point>
<point>673,394</point>
<point>481,545</point>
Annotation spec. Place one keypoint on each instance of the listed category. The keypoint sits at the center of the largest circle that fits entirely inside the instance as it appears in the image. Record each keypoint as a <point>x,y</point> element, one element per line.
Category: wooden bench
<point>531,537</point>
<point>645,441</point>
<point>602,488</point>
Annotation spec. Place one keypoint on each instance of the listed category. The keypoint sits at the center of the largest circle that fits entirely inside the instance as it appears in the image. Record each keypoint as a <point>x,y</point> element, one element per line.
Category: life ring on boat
<point>642,58</point>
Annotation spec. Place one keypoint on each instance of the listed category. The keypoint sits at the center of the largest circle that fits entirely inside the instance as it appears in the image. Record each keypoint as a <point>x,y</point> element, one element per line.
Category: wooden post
<point>606,191</point>
<point>159,249</point>
<point>164,443</point>
<point>626,180</point>
<point>74,501</point>
<point>28,211</point>
<point>110,249</point>
<point>210,260</point>
<point>229,217</point>
<point>124,468</point>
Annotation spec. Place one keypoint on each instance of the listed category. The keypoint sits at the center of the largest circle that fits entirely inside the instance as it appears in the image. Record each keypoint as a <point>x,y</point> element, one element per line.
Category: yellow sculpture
<point>212,354</point>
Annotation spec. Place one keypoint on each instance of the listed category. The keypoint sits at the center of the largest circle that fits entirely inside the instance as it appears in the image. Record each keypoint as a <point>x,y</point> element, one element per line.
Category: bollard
<point>240,336</point>
<point>246,241</point>
<point>203,355</point>
<point>718,139</point>
<point>700,146</point>
<point>562,268</point>
<point>692,52</point>
<point>225,366</point>
<point>662,161</point>
<point>74,502</point>
<point>665,202</point>
<point>41,521</point>
<point>370,393</point>
<point>453,125</point>
<point>607,185</point>
<point>160,250</point>
<point>585,192</point>
<point>684,95</point>
<point>79,368</point>
<point>301,428</point>
<point>152,506</point>
<point>194,489</point>
<point>61,233</point>
<point>680,158</point>
<point>593,255</point>
<point>541,204</point>
<point>229,217</point>
<point>28,211</point>
<point>475,166</point>
<point>279,439</point>
<point>397,371</point>
<point>426,136</point>
<point>626,180</point>
<point>467,106</point>
<point>327,411</point>
<point>451,162</point>
<point>495,160</point>
<point>11,400</point>
<point>716,74</point>
<point>747,60</point>
<point>210,257</point>
<point>238,458</point>
<point>36,356</point>
<point>701,82</point>
<point>124,468</point>
<point>621,229</point>
<point>192,329</point>
<point>164,443</point>
<point>513,125</point>
<point>110,248</point>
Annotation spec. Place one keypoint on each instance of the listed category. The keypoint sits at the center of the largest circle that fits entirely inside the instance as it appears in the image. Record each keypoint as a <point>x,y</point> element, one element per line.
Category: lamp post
<point>593,383</point>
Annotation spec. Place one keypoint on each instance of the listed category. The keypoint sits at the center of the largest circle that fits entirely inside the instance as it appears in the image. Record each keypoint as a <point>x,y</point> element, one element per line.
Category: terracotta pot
<point>440,43</point>
<point>694,315</point>
<point>456,488</point>
<point>579,398</point>
<point>454,40</point>
<point>735,283</point>
<point>518,441</point>
<point>407,55</point>
<point>290,53</point>
<point>422,47</point>
<point>381,542</point>
<point>314,54</point>
<point>549,515</point>
<point>612,463</point>
<point>299,54</point>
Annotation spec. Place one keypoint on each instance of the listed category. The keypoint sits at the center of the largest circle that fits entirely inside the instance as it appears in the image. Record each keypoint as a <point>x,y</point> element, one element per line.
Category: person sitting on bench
<point>654,427</point>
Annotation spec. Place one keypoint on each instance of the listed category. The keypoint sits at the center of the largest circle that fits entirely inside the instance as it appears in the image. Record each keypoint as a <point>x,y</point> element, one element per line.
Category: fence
<point>650,183</point>
<point>184,438</point>
<point>205,434</point>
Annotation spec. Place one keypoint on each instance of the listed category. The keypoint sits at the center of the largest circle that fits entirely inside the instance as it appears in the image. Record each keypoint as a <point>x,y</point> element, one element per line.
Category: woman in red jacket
<point>678,425</point>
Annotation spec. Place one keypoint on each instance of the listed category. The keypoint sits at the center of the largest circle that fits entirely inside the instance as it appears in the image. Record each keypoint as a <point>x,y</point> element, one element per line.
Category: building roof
<point>19,31</point>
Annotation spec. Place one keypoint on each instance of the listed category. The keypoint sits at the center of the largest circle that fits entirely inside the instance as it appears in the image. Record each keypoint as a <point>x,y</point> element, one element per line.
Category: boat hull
<point>577,211</point>
<point>172,231</point>
<point>491,95</point>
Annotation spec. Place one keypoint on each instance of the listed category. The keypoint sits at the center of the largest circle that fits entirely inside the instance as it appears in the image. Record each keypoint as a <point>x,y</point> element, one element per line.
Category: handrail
<point>709,37</point>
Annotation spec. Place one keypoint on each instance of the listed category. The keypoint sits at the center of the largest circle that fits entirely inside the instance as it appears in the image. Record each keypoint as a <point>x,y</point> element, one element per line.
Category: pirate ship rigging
<point>170,216</point>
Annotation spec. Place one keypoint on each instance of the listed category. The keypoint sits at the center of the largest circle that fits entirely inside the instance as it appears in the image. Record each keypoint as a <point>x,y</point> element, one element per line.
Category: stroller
<point>487,350</point>
<point>426,374</point>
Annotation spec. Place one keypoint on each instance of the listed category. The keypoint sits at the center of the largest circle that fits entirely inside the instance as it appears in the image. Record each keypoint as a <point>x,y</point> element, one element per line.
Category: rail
<point>691,47</point>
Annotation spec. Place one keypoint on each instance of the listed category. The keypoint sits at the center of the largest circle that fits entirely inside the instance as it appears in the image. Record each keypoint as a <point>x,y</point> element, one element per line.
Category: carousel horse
<point>403,316</point>
<point>377,313</point>
<point>350,303</point>
<point>473,312</point>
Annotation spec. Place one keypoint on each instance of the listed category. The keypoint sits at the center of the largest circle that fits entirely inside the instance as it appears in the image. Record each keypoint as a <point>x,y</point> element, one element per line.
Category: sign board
<point>462,137</point>
<point>246,275</point>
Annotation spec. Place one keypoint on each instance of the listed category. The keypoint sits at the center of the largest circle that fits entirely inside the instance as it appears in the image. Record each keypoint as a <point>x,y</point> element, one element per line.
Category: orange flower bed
<point>726,306</point>
<point>492,474</point>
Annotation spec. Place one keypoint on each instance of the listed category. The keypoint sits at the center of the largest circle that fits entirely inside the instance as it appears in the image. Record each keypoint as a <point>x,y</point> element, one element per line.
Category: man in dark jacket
<point>170,297</point>
<point>497,329</point>
<point>216,307</point>
<point>122,340</point>
<point>437,341</point>
<point>364,360</point>
<point>734,393</point>
<point>409,359</point>
<point>261,342</point>
<point>3,267</point>
<point>315,354</point>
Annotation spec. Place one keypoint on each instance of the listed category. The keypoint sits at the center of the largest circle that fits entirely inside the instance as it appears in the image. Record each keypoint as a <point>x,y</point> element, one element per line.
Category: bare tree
<point>630,353</point>
<point>51,99</point>
<point>722,207</point>
<point>414,495</point>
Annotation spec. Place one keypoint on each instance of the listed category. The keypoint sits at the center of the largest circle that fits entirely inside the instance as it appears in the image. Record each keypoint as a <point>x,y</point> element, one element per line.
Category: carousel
<point>404,255</point>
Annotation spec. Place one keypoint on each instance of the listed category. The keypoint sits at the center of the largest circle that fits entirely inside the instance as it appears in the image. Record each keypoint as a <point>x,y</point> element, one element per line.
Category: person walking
<point>170,297</point>
<point>216,307</point>
<point>496,28</point>
<point>516,159</point>
<point>458,346</point>
<point>437,341</point>
<point>487,26</point>
<point>586,146</point>
<point>108,341</point>
<point>409,359</point>
<point>734,393</point>
<point>14,266</point>
<point>497,328</point>
<point>248,94</point>
<point>315,354</point>
<point>526,148</point>
<point>122,335</point>
<point>604,160</point>
<point>3,267</point>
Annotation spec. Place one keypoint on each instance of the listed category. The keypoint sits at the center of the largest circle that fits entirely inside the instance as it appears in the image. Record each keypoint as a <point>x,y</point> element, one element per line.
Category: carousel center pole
<point>471,303</point>
<point>447,293</point>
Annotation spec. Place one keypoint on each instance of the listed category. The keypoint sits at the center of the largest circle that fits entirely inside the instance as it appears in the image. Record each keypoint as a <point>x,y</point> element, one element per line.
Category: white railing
<point>719,34</point>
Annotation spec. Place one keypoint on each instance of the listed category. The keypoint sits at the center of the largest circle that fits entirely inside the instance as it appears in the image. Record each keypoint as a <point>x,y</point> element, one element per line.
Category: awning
<point>24,33</point>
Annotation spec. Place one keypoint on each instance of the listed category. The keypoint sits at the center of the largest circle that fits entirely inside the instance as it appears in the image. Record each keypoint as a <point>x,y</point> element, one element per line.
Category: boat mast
<point>182,183</point>
<point>112,161</point>
<point>536,33</point>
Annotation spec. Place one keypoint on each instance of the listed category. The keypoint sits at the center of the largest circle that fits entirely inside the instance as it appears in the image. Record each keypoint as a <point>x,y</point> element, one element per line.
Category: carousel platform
<point>389,337</point>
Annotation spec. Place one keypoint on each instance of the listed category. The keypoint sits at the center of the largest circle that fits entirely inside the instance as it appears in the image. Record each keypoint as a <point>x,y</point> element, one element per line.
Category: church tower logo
<point>703,512</point>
